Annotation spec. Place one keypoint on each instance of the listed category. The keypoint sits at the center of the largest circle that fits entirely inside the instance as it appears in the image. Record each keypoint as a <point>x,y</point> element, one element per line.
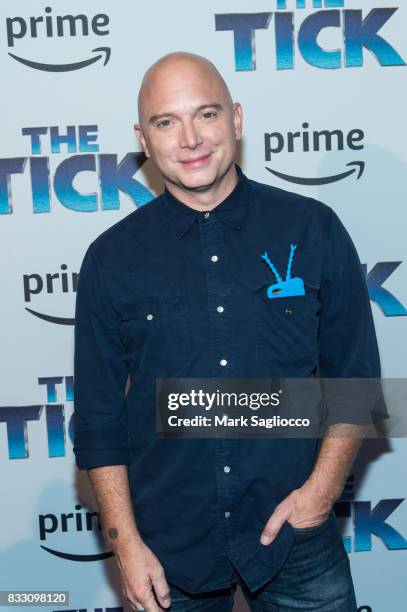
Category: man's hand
<point>311,504</point>
<point>303,507</point>
<point>143,575</point>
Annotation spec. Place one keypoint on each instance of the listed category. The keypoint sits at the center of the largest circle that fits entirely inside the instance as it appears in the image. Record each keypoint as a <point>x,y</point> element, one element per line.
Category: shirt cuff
<point>87,458</point>
<point>354,401</point>
<point>101,448</point>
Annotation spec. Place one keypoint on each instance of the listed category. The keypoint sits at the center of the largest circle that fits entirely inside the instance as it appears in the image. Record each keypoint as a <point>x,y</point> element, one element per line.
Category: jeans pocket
<point>315,529</point>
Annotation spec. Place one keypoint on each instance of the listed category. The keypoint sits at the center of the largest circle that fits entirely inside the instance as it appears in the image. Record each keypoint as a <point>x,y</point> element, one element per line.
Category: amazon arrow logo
<point>62,281</point>
<point>48,26</point>
<point>74,557</point>
<point>308,140</point>
<point>103,53</point>
<point>322,180</point>
<point>71,522</point>
<point>52,319</point>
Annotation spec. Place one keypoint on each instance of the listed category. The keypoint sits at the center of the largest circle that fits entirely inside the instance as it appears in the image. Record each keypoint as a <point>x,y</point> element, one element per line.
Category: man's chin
<point>200,188</point>
<point>197,183</point>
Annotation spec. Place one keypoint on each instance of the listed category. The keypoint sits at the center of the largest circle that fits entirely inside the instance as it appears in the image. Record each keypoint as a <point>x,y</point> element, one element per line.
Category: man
<point>178,289</point>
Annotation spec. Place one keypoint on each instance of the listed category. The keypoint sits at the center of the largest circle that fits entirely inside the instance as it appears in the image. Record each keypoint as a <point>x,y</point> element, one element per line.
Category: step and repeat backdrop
<point>323,87</point>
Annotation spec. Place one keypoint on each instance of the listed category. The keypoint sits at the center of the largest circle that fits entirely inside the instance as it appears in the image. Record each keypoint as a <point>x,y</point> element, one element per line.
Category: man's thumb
<point>273,525</point>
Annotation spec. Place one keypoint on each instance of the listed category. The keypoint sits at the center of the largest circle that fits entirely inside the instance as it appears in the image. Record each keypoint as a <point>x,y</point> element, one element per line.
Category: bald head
<point>189,126</point>
<point>174,70</point>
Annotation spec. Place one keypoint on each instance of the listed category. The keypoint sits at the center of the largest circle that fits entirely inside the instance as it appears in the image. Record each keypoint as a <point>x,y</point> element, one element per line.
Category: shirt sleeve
<point>100,373</point>
<point>349,361</point>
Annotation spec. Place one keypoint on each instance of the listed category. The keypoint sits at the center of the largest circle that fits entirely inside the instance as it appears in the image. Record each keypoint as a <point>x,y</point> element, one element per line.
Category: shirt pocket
<point>286,328</point>
<point>154,330</point>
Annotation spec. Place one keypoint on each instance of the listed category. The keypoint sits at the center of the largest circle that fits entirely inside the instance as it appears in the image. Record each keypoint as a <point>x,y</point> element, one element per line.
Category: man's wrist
<point>321,488</point>
<point>123,540</point>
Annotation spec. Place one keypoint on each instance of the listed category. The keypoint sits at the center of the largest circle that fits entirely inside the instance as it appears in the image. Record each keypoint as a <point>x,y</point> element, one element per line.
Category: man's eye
<point>163,123</point>
<point>209,114</point>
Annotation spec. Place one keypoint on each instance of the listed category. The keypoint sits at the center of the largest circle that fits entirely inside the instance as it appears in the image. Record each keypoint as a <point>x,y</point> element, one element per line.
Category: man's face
<point>189,127</point>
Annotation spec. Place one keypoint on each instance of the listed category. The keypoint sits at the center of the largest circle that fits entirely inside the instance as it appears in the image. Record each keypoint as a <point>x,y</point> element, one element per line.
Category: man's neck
<point>206,200</point>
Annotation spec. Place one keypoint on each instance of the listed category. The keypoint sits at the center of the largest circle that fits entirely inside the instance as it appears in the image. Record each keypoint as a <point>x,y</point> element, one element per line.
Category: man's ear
<point>140,137</point>
<point>238,119</point>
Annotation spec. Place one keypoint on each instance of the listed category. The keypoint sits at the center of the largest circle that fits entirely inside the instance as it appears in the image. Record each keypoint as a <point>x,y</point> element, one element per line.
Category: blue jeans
<point>315,577</point>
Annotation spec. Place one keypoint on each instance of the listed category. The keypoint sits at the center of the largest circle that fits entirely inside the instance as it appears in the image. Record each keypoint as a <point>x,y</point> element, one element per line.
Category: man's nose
<point>190,137</point>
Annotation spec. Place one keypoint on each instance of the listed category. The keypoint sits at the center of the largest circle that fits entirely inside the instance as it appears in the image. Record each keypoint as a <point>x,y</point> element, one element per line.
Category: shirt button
<point>227,514</point>
<point>214,258</point>
<point>223,362</point>
<point>220,309</point>
<point>206,215</point>
<point>150,317</point>
<point>226,469</point>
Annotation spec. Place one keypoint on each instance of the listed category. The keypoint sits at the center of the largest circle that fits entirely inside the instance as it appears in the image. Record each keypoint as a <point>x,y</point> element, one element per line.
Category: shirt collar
<point>230,211</point>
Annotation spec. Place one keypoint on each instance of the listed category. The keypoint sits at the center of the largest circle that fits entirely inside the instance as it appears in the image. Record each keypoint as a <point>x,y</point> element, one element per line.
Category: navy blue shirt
<point>148,300</point>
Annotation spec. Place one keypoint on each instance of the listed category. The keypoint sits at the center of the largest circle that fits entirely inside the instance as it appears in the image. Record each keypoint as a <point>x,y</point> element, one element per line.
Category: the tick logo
<point>298,34</point>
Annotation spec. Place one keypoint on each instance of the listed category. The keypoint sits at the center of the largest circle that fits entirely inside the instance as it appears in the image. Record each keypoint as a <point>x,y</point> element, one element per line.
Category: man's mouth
<point>196,162</point>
